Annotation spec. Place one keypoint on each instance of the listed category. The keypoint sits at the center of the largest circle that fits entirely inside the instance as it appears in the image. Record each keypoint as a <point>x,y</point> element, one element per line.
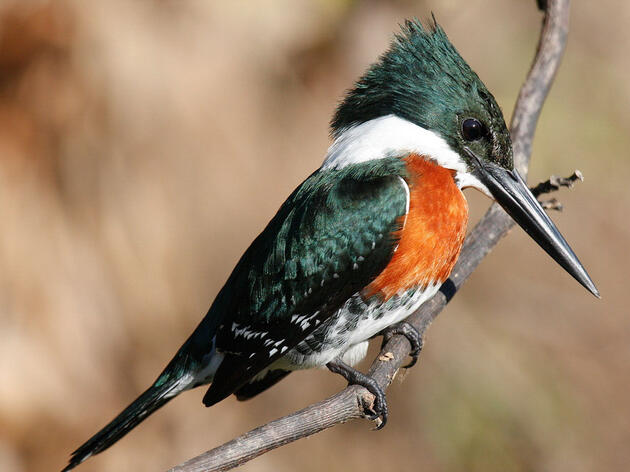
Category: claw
<point>354,377</point>
<point>413,336</point>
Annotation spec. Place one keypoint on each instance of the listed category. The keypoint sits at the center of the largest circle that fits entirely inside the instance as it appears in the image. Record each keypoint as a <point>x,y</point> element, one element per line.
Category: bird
<point>364,241</point>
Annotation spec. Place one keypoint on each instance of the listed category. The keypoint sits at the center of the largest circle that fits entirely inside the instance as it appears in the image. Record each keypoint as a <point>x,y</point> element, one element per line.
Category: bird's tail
<point>152,399</point>
<point>194,364</point>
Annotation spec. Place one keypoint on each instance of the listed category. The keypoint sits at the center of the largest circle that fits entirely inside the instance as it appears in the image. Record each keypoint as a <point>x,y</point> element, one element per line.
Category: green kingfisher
<point>364,241</point>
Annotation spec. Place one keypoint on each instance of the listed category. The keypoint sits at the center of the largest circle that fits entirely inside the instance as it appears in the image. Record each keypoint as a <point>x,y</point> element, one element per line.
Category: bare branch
<point>554,183</point>
<point>349,404</point>
<point>552,204</point>
<point>552,41</point>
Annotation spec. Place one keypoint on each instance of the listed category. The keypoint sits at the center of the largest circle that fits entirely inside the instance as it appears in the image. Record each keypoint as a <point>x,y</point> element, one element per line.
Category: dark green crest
<point>423,79</point>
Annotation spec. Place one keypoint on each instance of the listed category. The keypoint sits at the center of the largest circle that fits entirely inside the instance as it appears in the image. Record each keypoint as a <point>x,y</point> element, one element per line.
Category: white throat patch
<point>392,136</point>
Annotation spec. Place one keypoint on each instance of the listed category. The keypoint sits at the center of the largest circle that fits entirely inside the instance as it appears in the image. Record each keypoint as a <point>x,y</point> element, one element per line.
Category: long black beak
<point>511,192</point>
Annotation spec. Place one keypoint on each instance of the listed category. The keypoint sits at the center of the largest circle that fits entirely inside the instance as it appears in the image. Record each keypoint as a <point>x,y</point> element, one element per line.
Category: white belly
<point>346,334</point>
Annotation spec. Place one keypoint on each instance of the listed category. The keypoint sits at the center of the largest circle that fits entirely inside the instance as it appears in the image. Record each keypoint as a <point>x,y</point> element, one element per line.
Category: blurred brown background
<point>144,144</point>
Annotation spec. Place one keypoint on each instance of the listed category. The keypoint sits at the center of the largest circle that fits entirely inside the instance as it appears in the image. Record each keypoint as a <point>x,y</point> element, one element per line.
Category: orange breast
<point>432,234</point>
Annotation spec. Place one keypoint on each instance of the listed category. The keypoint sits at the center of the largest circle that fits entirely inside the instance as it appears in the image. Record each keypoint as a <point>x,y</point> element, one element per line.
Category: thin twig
<point>554,183</point>
<point>347,404</point>
<point>552,204</point>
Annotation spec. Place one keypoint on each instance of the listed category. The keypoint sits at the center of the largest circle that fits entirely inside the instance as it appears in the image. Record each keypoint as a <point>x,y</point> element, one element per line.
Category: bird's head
<point>422,97</point>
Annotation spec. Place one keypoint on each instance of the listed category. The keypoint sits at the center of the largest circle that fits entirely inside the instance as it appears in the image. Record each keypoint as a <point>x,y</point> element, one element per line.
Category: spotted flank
<point>356,321</point>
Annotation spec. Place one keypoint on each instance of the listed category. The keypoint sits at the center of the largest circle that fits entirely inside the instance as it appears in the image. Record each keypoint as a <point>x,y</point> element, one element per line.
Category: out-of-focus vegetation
<point>143,145</point>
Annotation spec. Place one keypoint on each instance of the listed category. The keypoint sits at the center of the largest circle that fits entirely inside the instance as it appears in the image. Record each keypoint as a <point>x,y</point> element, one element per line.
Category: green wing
<point>329,240</point>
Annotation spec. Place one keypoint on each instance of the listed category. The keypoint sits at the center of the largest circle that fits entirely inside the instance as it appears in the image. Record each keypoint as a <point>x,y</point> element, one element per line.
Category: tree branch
<point>352,402</point>
<point>554,183</point>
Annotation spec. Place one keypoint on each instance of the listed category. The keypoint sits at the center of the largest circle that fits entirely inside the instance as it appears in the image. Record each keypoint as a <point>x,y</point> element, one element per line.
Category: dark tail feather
<point>251,389</point>
<point>176,377</point>
<point>142,407</point>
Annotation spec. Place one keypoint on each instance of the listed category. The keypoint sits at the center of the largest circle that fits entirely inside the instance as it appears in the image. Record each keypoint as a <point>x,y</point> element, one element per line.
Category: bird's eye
<point>473,129</point>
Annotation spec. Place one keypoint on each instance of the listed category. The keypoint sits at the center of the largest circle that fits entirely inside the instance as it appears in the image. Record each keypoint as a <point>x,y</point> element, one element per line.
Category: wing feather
<point>329,240</point>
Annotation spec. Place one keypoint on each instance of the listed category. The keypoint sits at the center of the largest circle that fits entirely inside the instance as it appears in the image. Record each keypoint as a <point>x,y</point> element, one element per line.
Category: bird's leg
<point>413,336</point>
<point>354,377</point>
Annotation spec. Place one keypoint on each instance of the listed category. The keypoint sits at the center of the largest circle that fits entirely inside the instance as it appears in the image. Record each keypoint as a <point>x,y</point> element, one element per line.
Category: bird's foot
<point>354,377</point>
<point>413,336</point>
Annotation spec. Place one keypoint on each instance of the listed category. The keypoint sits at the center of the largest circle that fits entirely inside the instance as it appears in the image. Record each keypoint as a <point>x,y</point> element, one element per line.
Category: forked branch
<point>350,403</point>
